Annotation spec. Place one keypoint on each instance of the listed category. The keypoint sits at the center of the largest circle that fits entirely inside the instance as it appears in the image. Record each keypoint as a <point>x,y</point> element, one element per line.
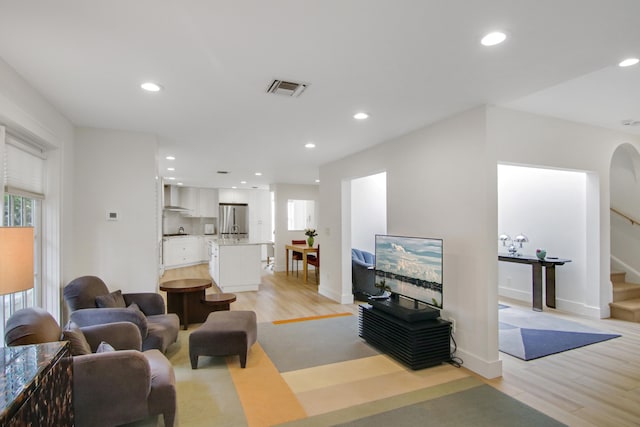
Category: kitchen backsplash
<point>172,221</point>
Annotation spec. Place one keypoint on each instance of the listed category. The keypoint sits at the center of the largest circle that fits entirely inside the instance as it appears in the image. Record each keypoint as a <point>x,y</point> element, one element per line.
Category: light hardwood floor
<point>597,385</point>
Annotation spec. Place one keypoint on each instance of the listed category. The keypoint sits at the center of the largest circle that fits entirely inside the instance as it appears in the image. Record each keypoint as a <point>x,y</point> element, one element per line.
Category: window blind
<point>23,168</point>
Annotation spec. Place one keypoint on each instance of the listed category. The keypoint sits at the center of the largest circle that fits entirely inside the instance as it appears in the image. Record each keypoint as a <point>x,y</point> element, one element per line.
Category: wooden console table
<point>36,385</point>
<point>536,266</point>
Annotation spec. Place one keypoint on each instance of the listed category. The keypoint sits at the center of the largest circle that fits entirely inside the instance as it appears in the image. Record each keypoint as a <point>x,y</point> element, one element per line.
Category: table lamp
<point>16,259</point>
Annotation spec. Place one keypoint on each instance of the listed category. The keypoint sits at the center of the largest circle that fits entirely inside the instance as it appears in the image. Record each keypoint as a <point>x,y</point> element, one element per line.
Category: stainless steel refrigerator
<point>233,220</point>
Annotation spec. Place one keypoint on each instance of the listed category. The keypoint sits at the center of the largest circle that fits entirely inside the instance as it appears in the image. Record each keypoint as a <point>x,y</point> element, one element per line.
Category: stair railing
<point>625,216</point>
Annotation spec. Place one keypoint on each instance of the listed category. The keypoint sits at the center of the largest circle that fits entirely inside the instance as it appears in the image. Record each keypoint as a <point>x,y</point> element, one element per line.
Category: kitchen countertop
<point>234,242</point>
<point>171,236</point>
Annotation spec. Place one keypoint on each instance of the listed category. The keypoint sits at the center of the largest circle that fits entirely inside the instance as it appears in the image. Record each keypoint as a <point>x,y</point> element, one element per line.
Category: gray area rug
<point>300,345</point>
<point>479,406</point>
<point>529,335</point>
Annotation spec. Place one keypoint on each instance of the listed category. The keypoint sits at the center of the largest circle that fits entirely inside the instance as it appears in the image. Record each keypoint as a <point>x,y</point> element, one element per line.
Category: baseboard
<point>481,367</point>
<point>331,294</point>
<point>515,294</point>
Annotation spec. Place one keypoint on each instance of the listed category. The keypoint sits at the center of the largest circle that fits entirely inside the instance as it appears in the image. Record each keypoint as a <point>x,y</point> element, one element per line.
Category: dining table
<point>305,250</point>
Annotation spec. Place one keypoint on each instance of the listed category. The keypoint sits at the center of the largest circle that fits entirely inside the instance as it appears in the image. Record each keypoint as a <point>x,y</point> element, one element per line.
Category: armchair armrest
<point>110,388</point>
<point>150,303</point>
<point>99,316</point>
<point>120,335</point>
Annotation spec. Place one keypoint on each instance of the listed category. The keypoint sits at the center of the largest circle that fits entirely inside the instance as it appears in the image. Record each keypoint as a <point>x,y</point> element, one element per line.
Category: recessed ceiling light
<point>234,187</point>
<point>258,173</point>
<point>360,116</point>
<point>171,178</point>
<point>243,182</point>
<point>180,183</point>
<point>317,180</point>
<point>170,158</point>
<point>629,62</point>
<point>310,145</point>
<point>151,87</point>
<point>171,169</point>
<point>493,39</point>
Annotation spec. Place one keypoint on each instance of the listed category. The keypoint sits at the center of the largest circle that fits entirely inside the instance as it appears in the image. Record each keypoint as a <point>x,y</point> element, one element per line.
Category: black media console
<point>417,344</point>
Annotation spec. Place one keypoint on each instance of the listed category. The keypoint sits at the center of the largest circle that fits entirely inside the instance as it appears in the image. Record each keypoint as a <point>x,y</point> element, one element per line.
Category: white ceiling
<point>407,63</point>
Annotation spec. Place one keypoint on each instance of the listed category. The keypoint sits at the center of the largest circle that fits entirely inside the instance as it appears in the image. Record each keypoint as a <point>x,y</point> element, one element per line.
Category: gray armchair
<point>363,277</point>
<point>109,388</point>
<point>91,303</point>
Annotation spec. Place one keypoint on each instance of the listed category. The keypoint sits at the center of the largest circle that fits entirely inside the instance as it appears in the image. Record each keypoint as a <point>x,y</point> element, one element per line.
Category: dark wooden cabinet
<point>36,385</point>
<point>416,344</point>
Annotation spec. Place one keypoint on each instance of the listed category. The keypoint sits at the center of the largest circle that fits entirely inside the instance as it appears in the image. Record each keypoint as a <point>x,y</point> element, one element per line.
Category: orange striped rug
<point>304,319</point>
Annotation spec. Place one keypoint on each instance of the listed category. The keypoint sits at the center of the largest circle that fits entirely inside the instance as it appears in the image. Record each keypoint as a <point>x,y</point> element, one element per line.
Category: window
<point>300,214</point>
<point>22,181</point>
<point>20,211</point>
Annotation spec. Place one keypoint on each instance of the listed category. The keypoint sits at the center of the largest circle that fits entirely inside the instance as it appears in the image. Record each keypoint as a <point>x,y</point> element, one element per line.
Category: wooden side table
<point>218,302</point>
<point>183,298</point>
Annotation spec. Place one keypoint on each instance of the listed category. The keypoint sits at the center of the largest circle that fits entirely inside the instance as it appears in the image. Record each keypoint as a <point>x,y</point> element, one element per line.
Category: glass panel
<point>300,214</point>
<point>18,211</point>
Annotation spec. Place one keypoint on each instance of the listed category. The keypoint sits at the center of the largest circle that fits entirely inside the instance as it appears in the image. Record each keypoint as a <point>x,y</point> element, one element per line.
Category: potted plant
<point>310,233</point>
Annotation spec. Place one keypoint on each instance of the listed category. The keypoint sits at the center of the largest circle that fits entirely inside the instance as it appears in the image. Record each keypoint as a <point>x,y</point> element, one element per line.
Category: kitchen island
<point>235,265</point>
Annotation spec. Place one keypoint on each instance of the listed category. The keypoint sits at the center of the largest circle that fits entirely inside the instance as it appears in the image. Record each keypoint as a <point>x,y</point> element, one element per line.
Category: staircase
<point>626,298</point>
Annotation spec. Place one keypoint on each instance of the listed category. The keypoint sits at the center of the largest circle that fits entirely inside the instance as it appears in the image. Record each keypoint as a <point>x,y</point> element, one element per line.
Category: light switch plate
<point>112,216</point>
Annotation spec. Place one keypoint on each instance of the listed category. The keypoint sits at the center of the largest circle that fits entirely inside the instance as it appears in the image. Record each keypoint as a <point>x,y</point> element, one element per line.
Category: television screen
<point>411,267</point>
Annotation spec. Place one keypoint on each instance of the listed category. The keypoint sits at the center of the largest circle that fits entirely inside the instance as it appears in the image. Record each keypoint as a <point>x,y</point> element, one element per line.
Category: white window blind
<point>24,169</point>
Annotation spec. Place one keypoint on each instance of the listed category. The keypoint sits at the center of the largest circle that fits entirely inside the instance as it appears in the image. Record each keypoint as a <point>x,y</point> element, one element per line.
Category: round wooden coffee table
<point>218,302</point>
<point>183,298</point>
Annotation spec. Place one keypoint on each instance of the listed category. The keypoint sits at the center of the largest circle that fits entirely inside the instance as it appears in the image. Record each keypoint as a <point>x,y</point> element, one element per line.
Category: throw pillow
<point>134,307</point>
<point>79,344</point>
<point>104,347</point>
<point>112,300</point>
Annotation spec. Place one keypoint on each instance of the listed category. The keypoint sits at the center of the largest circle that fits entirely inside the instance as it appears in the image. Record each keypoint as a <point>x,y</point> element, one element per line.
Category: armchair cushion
<point>99,316</point>
<point>76,338</point>
<point>111,300</point>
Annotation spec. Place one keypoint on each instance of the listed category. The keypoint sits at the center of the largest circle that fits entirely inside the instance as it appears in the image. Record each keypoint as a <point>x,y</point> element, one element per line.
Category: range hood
<point>171,199</point>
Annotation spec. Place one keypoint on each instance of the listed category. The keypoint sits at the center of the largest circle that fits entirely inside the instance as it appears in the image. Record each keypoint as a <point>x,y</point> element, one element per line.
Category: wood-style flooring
<point>596,385</point>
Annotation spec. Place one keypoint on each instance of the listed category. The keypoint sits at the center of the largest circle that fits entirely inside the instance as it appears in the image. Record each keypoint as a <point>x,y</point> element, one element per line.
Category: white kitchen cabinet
<point>208,202</point>
<point>200,202</point>
<point>182,251</point>
<point>235,267</point>
<point>206,248</point>
<point>230,195</point>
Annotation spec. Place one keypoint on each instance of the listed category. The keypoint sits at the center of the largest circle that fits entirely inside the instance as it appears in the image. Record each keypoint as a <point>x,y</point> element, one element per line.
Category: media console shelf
<point>416,344</point>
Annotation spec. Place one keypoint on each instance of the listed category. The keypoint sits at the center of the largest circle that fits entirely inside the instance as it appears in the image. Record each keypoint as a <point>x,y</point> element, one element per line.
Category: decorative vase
<point>310,241</point>
<point>541,254</point>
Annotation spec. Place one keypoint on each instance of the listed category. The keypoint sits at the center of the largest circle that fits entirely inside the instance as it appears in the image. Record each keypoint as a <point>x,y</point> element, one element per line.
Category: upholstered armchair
<point>91,303</point>
<point>363,276</point>
<point>118,385</point>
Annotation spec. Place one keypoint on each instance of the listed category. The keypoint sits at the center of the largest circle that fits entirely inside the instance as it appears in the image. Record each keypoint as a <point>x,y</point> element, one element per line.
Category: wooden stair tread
<point>631,304</point>
<point>625,286</point>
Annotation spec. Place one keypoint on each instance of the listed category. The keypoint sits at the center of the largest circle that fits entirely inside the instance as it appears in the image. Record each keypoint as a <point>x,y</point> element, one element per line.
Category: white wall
<point>282,193</point>
<point>441,182</point>
<point>116,172</point>
<point>23,109</point>
<point>549,207</point>
<point>368,210</point>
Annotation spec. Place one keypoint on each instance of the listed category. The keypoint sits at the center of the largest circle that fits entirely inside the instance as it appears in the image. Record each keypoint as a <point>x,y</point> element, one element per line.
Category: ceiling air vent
<point>282,87</point>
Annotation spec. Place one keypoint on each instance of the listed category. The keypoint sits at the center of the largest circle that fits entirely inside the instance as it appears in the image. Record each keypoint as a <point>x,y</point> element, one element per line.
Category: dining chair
<point>297,256</point>
<point>315,261</point>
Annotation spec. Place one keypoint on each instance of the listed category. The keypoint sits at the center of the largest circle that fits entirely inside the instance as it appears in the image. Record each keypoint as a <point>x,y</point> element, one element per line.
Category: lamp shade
<point>16,259</point>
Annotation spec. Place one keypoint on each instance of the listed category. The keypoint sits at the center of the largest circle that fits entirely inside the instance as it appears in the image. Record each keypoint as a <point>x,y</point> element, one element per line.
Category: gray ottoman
<point>224,333</point>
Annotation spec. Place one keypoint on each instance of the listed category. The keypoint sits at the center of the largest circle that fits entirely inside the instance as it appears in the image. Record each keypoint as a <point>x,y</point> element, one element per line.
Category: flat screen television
<point>411,267</point>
